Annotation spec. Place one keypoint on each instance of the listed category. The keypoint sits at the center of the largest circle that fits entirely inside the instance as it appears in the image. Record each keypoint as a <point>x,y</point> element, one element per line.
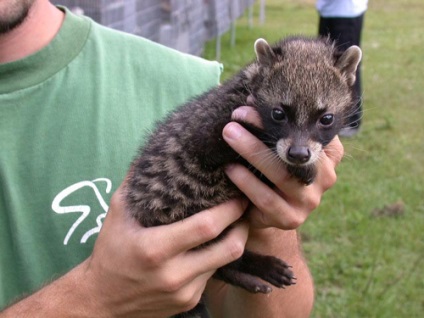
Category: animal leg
<point>246,271</point>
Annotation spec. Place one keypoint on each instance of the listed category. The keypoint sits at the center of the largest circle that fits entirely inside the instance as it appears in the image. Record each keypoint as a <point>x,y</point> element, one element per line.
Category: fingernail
<point>239,114</point>
<point>232,131</point>
<point>250,100</point>
<point>230,167</point>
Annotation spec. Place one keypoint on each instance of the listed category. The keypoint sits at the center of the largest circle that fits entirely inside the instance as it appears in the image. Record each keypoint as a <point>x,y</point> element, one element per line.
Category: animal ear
<point>264,53</point>
<point>348,63</point>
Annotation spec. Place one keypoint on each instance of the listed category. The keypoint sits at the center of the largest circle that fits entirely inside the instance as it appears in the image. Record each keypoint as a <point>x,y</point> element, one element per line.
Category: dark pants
<point>346,32</point>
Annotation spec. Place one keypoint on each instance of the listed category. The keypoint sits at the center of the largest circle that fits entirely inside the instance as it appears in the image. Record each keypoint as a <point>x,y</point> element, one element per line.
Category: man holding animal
<point>75,99</point>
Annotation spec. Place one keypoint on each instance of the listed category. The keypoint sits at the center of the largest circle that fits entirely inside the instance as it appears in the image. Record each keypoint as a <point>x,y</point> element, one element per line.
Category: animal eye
<point>327,120</point>
<point>278,114</point>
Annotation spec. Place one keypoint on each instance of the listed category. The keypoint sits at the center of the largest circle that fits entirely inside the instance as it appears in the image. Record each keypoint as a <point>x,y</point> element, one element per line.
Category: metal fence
<point>181,24</point>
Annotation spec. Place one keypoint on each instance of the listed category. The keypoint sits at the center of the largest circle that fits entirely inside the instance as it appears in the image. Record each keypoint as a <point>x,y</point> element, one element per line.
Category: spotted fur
<point>180,170</point>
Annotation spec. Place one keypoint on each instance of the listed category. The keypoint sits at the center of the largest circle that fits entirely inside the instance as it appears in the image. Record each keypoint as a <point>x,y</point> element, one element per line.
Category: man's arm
<point>294,301</point>
<point>141,272</point>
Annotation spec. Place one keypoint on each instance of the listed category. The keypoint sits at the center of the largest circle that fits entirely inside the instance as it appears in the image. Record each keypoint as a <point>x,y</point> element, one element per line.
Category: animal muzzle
<point>298,154</point>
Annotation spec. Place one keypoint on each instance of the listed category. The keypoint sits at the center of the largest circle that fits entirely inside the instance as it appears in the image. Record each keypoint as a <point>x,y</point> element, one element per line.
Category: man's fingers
<point>220,253</point>
<point>247,114</point>
<point>196,229</point>
<point>329,160</point>
<point>204,261</point>
<point>255,151</point>
<point>272,209</point>
<point>335,151</point>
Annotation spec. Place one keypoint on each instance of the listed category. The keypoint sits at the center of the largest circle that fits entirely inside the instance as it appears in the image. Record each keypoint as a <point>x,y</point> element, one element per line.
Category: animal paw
<point>276,272</point>
<point>253,271</point>
<point>269,268</point>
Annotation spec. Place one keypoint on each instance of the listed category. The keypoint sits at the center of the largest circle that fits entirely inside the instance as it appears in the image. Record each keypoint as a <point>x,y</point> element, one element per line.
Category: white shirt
<point>341,8</point>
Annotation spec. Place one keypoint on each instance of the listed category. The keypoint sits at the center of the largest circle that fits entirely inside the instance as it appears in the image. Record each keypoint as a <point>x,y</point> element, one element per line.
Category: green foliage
<point>365,243</point>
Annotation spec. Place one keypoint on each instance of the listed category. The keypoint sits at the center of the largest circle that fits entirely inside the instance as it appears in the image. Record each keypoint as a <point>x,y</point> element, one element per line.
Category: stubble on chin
<point>13,13</point>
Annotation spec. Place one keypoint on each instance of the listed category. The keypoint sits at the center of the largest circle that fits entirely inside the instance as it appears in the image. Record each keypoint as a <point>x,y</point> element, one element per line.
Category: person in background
<point>76,100</point>
<point>342,21</point>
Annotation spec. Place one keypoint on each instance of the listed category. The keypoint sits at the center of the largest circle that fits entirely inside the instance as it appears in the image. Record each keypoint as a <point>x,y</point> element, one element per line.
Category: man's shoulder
<point>137,48</point>
<point>120,47</point>
<point>157,66</point>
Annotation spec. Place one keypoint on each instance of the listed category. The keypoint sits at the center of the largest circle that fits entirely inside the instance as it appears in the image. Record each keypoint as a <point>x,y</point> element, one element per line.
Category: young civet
<point>301,88</point>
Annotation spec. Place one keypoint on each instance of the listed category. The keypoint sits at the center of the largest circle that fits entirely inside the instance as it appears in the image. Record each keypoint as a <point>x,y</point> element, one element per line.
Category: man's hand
<point>274,215</point>
<point>142,272</point>
<point>290,203</point>
<point>154,271</point>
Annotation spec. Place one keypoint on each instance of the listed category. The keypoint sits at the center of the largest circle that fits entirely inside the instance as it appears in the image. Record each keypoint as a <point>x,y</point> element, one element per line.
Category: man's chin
<point>13,13</point>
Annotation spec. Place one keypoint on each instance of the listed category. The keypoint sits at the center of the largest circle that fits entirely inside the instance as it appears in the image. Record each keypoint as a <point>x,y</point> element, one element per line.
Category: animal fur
<point>301,88</point>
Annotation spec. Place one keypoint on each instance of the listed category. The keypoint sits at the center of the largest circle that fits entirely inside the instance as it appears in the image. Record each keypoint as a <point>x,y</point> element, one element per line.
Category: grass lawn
<point>365,243</point>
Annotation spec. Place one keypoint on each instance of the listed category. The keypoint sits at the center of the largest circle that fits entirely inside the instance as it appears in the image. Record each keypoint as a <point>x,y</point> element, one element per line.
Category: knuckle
<point>235,249</point>
<point>331,179</point>
<point>335,151</point>
<point>171,283</point>
<point>151,257</point>
<point>313,202</point>
<point>339,156</point>
<point>187,300</point>
<point>295,221</point>
<point>208,229</point>
<point>115,200</point>
<point>266,201</point>
<point>339,152</point>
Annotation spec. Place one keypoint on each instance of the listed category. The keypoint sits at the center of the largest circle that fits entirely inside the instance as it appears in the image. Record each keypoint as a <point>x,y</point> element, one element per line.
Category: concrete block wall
<point>181,24</point>
<point>218,17</point>
<point>149,18</point>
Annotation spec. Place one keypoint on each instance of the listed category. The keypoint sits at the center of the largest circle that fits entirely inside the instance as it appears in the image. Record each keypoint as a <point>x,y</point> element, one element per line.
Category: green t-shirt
<point>72,117</point>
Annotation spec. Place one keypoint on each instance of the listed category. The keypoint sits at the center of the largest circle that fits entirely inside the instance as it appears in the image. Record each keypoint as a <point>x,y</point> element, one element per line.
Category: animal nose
<point>298,154</point>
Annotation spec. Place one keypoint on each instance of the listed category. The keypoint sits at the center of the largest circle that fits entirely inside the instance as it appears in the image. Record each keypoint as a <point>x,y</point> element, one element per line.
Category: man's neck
<point>38,29</point>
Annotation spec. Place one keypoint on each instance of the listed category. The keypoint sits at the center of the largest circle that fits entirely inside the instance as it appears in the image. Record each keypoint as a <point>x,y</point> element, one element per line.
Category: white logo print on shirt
<point>83,209</point>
